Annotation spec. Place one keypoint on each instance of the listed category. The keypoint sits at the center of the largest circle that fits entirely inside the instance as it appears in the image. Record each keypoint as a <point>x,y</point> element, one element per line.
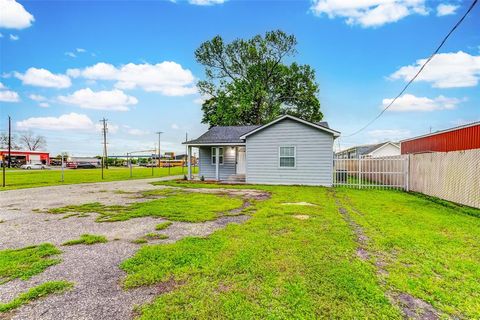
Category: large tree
<point>32,142</point>
<point>248,81</point>
<point>4,141</point>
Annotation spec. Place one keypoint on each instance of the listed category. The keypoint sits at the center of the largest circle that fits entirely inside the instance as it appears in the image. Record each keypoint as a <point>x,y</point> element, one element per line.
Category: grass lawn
<point>301,261</point>
<point>173,205</point>
<point>35,293</point>
<point>26,262</point>
<point>19,179</point>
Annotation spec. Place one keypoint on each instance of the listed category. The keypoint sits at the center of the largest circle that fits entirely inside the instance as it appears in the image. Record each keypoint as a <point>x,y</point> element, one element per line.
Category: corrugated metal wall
<point>456,140</point>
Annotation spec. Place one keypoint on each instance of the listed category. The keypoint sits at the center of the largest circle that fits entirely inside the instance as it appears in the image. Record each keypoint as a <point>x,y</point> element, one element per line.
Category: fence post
<point>407,174</point>
<point>359,172</point>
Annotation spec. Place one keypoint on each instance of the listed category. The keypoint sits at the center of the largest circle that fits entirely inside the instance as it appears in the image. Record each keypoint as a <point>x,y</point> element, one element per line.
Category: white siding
<point>207,169</point>
<point>314,155</point>
<point>385,151</point>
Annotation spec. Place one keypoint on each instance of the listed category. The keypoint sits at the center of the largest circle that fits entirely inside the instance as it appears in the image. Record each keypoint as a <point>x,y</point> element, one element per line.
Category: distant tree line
<point>24,141</point>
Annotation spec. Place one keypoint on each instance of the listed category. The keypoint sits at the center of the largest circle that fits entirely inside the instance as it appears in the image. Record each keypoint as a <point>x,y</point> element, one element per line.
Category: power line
<point>418,72</point>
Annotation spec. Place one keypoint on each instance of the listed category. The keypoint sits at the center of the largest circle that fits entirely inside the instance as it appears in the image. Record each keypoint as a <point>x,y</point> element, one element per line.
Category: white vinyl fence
<point>453,176</point>
<point>382,172</point>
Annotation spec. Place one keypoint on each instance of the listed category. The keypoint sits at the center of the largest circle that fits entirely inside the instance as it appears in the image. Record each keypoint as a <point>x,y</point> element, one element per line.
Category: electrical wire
<point>418,72</point>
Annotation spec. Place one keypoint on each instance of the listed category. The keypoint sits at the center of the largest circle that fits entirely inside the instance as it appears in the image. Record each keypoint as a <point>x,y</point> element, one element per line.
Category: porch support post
<point>217,160</point>
<point>189,162</point>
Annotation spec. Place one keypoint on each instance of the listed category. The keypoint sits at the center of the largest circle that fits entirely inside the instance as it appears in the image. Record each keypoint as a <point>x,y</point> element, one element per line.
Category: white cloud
<point>409,102</point>
<point>80,50</point>
<point>43,105</point>
<point>14,16</point>
<point>14,37</point>
<point>44,78</point>
<point>445,70</point>
<point>175,126</point>
<point>37,97</point>
<point>169,78</point>
<point>369,13</point>
<point>71,121</point>
<point>70,54</point>
<point>205,2</point>
<point>446,9</point>
<point>115,100</point>
<point>9,96</point>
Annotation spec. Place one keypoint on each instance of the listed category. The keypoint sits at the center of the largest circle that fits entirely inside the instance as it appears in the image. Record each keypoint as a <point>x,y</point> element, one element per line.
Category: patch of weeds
<point>156,236</point>
<point>69,216</point>
<point>36,210</point>
<point>176,206</point>
<point>35,293</point>
<point>140,241</point>
<point>150,236</point>
<point>87,239</point>
<point>163,225</point>
<point>26,262</point>
<point>2,221</point>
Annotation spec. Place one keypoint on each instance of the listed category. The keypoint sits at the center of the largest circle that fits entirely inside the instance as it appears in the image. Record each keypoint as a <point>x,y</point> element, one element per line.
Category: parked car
<point>34,166</point>
<point>85,165</point>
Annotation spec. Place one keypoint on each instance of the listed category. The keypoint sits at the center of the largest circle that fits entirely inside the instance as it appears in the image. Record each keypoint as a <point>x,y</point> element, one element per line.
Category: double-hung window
<point>220,155</point>
<point>287,157</point>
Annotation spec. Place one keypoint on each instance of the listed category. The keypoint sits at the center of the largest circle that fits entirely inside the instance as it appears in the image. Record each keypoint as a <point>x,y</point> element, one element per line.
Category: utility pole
<point>159,142</point>
<point>105,155</point>
<point>9,141</point>
<point>186,152</point>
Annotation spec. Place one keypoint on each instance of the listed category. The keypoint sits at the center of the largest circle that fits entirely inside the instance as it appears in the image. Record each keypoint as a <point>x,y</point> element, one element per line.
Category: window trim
<point>294,157</point>
<point>221,155</point>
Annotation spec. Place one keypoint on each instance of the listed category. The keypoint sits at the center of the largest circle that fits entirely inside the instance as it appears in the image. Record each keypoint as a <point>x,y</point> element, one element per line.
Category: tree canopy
<point>248,81</point>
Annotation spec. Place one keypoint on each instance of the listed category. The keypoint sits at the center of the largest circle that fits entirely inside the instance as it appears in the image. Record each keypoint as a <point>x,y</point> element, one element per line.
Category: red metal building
<point>20,157</point>
<point>454,139</point>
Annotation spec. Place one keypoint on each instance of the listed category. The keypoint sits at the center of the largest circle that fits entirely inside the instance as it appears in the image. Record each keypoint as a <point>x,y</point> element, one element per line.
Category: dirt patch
<point>414,308</point>
<point>301,216</point>
<point>299,204</point>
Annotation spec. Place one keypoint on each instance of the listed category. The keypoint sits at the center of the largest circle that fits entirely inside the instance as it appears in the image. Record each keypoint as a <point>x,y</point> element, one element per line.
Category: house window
<point>287,157</point>
<point>220,156</point>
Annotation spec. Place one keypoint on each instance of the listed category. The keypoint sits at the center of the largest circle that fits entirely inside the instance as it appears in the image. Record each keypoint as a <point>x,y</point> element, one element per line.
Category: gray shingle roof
<point>223,134</point>
<point>323,124</point>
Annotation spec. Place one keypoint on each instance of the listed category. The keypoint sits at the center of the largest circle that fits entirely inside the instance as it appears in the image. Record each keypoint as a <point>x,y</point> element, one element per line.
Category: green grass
<point>175,205</point>
<point>18,179</point>
<point>35,293</point>
<point>431,247</point>
<point>26,262</point>
<point>278,267</point>
<point>163,225</point>
<point>87,239</point>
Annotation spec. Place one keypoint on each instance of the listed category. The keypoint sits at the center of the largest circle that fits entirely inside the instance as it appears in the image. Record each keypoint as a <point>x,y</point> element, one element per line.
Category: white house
<point>383,149</point>
<point>287,150</point>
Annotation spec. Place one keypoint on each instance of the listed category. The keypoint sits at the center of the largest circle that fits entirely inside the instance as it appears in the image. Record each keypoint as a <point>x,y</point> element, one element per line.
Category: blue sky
<point>64,65</point>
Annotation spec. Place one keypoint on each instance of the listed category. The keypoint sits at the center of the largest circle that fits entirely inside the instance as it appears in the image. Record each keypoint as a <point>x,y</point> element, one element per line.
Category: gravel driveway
<point>97,293</point>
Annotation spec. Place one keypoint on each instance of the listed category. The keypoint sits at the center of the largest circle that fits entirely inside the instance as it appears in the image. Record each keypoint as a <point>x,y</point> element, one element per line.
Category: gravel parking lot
<point>97,292</point>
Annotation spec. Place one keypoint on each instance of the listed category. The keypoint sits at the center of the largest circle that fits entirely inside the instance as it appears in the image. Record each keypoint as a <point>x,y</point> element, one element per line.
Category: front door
<point>241,160</point>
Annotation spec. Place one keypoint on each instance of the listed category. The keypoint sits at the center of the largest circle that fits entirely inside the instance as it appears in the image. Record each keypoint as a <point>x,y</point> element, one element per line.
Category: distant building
<point>19,157</point>
<point>383,149</point>
<point>454,139</point>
